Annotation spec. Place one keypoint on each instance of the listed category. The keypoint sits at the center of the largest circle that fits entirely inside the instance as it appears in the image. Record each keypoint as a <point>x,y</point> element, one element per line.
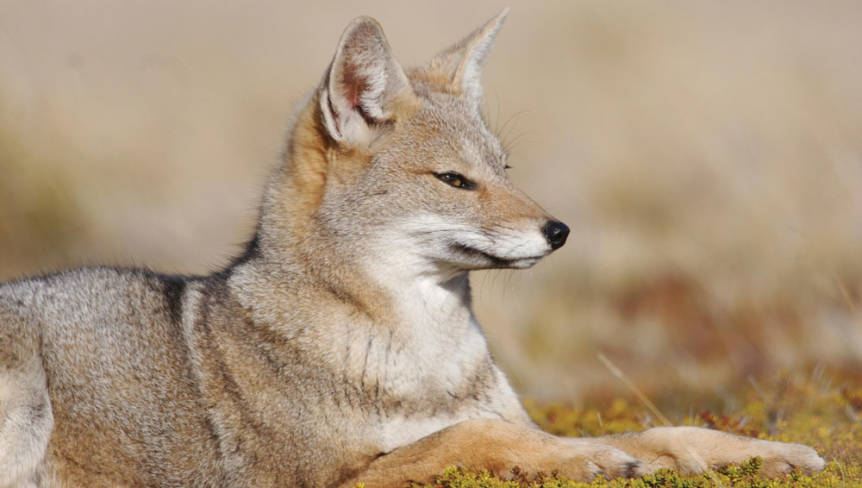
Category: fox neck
<point>391,288</point>
<point>423,296</point>
<point>388,286</point>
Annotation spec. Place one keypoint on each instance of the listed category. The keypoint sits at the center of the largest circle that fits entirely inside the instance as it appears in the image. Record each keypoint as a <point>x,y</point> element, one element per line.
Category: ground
<point>820,410</point>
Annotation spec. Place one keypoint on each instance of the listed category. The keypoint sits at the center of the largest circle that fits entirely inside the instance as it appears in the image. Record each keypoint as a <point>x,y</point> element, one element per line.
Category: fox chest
<point>410,390</point>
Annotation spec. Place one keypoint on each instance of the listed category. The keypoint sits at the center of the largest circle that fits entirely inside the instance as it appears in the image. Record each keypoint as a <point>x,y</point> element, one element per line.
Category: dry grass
<point>707,157</point>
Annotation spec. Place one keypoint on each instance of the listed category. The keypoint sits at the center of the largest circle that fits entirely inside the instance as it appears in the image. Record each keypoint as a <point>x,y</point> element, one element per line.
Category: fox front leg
<point>496,446</point>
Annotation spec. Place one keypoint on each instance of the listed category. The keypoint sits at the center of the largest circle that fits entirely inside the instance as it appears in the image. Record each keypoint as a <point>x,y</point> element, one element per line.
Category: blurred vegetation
<point>39,219</point>
<point>821,412</point>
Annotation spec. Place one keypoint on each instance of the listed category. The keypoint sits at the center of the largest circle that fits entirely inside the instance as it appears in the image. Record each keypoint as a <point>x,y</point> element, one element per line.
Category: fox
<point>341,346</point>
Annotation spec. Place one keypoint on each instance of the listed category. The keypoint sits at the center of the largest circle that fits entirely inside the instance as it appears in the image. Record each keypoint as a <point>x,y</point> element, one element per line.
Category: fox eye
<point>457,180</point>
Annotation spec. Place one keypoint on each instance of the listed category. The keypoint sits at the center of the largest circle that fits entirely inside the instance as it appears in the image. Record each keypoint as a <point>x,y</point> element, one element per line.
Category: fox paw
<point>693,450</point>
<point>783,458</point>
<point>588,460</point>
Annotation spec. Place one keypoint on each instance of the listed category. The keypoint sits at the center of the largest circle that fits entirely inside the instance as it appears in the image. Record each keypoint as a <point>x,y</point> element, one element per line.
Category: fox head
<point>398,168</point>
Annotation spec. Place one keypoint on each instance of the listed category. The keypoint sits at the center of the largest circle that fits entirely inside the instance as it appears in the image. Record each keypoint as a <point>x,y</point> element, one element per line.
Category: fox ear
<point>361,83</point>
<point>462,63</point>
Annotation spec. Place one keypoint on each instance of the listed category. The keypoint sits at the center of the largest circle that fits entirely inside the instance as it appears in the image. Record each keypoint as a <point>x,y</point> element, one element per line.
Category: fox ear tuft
<point>361,84</point>
<point>462,62</point>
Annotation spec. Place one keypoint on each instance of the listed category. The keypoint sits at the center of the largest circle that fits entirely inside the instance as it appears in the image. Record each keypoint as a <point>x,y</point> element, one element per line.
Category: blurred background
<point>707,156</point>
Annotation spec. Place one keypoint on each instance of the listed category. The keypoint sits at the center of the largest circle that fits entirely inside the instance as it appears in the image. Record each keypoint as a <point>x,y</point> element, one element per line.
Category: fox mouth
<point>496,261</point>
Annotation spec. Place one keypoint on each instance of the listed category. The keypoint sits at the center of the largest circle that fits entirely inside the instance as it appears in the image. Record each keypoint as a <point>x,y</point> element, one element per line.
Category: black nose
<point>556,233</point>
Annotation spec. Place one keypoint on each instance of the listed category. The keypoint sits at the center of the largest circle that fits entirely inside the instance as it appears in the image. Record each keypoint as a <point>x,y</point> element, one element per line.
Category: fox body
<point>341,346</point>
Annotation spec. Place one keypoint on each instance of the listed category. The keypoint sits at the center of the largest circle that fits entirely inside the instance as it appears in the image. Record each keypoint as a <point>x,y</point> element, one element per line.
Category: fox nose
<point>556,233</point>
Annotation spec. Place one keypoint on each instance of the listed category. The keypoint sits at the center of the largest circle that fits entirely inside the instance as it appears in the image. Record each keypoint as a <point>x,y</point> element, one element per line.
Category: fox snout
<point>556,233</point>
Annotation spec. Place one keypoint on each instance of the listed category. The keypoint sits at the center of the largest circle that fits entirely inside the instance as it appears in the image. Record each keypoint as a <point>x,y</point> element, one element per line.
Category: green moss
<point>747,475</point>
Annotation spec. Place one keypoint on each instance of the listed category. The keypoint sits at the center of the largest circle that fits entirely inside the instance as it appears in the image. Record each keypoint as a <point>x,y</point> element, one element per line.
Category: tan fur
<point>342,346</point>
<point>498,447</point>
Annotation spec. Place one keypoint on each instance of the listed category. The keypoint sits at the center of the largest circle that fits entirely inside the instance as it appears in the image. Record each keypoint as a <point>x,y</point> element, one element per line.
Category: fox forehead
<point>448,130</point>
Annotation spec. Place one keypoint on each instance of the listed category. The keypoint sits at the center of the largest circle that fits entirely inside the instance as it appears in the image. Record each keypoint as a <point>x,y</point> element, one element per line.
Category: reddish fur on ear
<point>361,85</point>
